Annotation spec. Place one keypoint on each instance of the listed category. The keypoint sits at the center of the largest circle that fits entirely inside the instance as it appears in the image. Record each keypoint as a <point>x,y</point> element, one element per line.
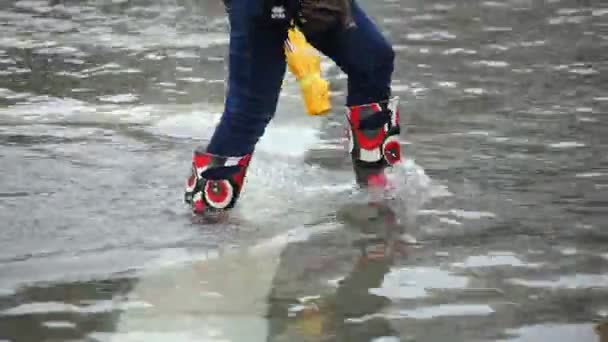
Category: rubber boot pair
<point>373,130</point>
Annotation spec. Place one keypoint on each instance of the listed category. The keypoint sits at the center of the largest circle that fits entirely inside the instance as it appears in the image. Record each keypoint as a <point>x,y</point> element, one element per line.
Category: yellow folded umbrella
<point>304,62</point>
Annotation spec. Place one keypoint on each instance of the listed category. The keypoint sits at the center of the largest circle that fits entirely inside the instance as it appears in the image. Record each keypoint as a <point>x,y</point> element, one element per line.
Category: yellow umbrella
<point>304,62</point>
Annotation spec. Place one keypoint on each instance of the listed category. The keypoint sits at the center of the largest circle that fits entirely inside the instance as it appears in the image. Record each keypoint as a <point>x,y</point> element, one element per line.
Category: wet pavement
<point>496,232</point>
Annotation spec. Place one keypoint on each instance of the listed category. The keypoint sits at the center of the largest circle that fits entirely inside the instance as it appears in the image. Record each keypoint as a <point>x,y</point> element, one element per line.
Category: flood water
<point>497,230</point>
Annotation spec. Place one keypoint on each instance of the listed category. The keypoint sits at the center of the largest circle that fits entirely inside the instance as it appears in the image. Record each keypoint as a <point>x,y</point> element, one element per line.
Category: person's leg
<point>367,58</point>
<point>256,70</point>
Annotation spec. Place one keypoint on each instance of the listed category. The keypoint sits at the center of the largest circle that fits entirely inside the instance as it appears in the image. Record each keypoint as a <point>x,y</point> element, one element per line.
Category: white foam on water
<point>475,91</point>
<point>533,43</point>
<point>459,51</point>
<point>566,145</point>
<point>287,140</point>
<point>11,95</point>
<point>496,4</point>
<point>430,36</point>
<point>192,79</point>
<point>59,325</point>
<point>497,47</point>
<point>494,259</point>
<point>463,214</point>
<point>422,17</point>
<point>44,108</point>
<point>569,251</point>
<point>447,84</point>
<point>117,72</point>
<point>569,11</point>
<point>7,61</point>
<point>87,307</point>
<point>450,221</point>
<point>185,54</point>
<point>584,71</point>
<point>61,50</point>
<point>154,37</point>
<point>15,70</point>
<point>561,20</point>
<point>415,282</point>
<point>329,188</point>
<point>448,310</point>
<point>577,281</point>
<point>39,308</point>
<point>599,12</point>
<point>101,306</point>
<point>120,98</point>
<point>492,64</point>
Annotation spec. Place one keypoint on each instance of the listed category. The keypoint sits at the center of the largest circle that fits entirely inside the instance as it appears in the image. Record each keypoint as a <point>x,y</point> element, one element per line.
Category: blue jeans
<point>257,67</point>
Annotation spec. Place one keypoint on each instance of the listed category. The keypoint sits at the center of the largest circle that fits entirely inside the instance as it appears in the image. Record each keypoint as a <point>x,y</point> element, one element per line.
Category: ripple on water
<point>561,20</point>
<point>415,282</point>
<point>430,36</point>
<point>496,4</point>
<point>61,50</point>
<point>599,12</point>
<point>120,98</point>
<point>430,312</point>
<point>447,84</point>
<point>117,72</point>
<point>450,221</point>
<point>59,307</point>
<point>463,214</point>
<point>40,308</point>
<point>564,145</point>
<point>8,61</point>
<point>11,95</point>
<point>583,70</point>
<point>459,51</point>
<point>492,64</point>
<point>448,310</point>
<point>74,61</point>
<point>497,29</point>
<point>553,332</point>
<point>475,91</point>
<point>590,174</point>
<point>12,70</point>
<point>40,6</point>
<point>584,109</point>
<point>494,259</point>
<point>59,325</point>
<point>533,43</point>
<point>576,281</point>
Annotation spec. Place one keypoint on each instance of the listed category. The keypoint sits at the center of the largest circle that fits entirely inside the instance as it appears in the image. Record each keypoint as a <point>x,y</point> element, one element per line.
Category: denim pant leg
<point>363,54</point>
<point>256,70</point>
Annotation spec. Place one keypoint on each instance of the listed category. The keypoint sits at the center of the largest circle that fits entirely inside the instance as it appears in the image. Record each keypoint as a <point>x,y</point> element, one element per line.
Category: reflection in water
<point>307,304</point>
<point>64,311</point>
